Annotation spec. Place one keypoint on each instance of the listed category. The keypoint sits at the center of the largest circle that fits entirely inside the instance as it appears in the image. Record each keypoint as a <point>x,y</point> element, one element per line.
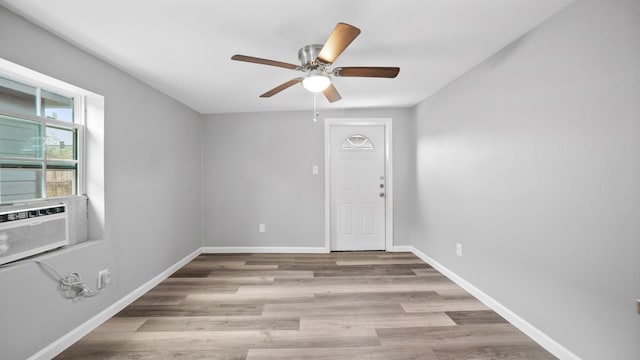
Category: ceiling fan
<point>316,60</point>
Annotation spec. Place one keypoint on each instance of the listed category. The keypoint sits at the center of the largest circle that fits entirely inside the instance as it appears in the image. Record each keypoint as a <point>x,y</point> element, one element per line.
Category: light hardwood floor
<point>344,305</point>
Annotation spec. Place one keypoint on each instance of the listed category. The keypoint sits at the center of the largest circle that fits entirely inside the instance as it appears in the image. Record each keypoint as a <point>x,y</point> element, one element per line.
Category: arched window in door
<point>357,142</point>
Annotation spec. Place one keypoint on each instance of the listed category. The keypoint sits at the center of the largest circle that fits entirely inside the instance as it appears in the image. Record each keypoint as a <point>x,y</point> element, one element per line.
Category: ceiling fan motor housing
<point>309,54</point>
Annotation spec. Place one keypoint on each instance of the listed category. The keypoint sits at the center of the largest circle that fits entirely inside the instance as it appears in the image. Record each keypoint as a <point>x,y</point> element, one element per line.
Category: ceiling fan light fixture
<point>316,81</point>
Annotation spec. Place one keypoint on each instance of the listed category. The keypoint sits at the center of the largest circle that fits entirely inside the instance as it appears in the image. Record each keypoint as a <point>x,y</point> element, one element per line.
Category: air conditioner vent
<point>29,231</point>
<point>31,213</point>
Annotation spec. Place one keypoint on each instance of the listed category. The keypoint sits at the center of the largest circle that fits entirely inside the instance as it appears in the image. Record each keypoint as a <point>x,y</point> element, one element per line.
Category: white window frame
<point>40,81</point>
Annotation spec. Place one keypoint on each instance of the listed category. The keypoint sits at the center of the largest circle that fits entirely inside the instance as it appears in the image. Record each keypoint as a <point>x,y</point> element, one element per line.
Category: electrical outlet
<point>262,228</point>
<point>459,249</point>
<point>314,169</point>
<point>104,278</point>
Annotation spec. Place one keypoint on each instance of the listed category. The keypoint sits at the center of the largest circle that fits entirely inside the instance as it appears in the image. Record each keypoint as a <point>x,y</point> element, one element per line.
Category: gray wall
<point>257,169</point>
<point>531,162</point>
<point>152,168</point>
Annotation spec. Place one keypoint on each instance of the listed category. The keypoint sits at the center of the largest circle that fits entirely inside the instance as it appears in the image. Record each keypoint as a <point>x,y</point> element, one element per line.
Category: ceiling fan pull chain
<point>315,107</point>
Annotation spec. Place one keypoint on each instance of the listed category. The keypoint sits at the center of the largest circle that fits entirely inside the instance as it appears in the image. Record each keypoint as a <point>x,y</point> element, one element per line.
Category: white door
<point>357,175</point>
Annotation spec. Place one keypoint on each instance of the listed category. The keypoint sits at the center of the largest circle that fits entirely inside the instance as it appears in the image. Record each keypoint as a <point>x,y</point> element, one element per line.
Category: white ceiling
<point>183,47</point>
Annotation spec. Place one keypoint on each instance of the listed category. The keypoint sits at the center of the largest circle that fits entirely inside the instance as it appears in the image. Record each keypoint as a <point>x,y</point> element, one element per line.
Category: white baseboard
<point>402,248</point>
<point>76,334</point>
<point>538,336</point>
<point>263,250</point>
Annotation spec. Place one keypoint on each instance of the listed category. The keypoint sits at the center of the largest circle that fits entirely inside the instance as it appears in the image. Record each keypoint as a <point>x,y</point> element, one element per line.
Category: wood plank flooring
<point>344,305</point>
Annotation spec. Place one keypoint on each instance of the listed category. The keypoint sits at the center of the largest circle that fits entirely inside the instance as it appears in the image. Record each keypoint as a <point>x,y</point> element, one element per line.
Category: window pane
<point>61,144</point>
<point>16,97</point>
<point>56,106</point>
<point>357,142</point>
<point>20,181</point>
<point>20,138</point>
<point>61,182</point>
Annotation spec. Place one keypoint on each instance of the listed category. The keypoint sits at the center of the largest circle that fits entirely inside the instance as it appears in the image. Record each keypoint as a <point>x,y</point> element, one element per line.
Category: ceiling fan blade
<point>367,71</point>
<point>256,60</point>
<point>341,36</point>
<point>281,87</point>
<point>331,93</point>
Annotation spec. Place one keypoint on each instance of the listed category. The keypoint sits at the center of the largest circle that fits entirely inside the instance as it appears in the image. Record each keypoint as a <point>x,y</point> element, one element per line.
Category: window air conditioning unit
<point>29,231</point>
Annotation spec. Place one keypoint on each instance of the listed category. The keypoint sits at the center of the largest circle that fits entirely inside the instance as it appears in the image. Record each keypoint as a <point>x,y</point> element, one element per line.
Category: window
<point>357,142</point>
<point>41,132</point>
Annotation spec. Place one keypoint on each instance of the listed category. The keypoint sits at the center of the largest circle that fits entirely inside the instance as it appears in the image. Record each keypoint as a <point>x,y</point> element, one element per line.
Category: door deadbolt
<point>381,186</point>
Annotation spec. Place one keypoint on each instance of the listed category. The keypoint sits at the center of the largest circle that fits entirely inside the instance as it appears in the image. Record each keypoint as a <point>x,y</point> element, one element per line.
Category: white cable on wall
<point>70,285</point>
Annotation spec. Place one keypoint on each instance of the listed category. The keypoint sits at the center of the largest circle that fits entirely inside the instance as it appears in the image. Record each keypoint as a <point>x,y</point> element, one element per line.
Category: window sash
<point>43,164</point>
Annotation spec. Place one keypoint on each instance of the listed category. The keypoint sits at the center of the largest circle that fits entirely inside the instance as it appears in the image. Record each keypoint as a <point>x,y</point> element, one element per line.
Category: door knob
<point>381,194</point>
<point>381,186</point>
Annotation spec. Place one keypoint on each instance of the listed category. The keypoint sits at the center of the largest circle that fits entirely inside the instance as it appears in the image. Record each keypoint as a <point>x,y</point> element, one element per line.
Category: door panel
<point>346,219</point>
<point>368,219</point>
<point>357,171</point>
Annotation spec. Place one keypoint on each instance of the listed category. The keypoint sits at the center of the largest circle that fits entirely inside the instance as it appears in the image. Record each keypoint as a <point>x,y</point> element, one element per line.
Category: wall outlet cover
<point>104,278</point>
<point>459,249</point>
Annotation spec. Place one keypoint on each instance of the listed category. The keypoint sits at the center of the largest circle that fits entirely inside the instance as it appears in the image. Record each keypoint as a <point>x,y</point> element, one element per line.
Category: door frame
<point>388,162</point>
